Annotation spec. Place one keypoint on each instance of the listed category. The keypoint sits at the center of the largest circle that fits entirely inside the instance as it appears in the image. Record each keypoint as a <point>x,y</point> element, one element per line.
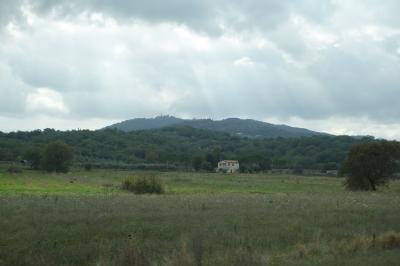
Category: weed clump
<point>385,241</point>
<point>130,254</point>
<point>182,257</point>
<point>144,185</point>
<point>390,240</point>
<point>357,244</point>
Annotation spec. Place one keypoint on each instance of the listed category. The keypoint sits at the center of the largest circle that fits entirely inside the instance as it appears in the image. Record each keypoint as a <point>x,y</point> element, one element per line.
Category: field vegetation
<point>85,218</point>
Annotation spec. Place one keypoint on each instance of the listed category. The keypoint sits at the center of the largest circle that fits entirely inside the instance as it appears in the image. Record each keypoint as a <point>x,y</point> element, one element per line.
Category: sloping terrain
<point>234,126</point>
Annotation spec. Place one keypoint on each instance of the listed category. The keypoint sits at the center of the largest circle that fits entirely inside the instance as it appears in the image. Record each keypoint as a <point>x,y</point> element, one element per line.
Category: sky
<point>326,65</point>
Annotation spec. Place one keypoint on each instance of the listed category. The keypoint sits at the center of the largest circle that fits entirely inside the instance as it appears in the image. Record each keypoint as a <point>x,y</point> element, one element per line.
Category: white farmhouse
<point>228,166</point>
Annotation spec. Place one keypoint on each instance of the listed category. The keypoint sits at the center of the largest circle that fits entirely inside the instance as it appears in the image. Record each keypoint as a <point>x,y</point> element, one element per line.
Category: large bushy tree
<point>369,165</point>
<point>57,157</point>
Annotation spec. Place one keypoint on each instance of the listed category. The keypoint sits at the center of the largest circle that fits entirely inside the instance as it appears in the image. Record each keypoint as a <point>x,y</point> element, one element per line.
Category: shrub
<point>143,185</point>
<point>13,169</point>
<point>88,167</point>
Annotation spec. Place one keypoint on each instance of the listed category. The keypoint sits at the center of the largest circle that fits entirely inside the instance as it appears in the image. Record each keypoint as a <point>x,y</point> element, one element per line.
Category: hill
<point>146,123</point>
<point>234,126</point>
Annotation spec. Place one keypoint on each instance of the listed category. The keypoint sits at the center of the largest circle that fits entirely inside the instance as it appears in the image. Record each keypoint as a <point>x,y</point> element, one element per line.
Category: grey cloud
<point>380,12</point>
<point>206,16</point>
<point>259,65</point>
<point>343,81</point>
<point>317,11</point>
<point>12,91</point>
<point>199,15</point>
<point>361,84</point>
<point>10,10</point>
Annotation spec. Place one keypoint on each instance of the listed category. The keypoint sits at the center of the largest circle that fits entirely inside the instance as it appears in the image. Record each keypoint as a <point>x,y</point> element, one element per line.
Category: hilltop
<point>234,126</point>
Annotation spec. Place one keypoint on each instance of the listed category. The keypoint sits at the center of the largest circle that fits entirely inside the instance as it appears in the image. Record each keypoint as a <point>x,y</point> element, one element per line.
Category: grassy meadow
<point>84,218</point>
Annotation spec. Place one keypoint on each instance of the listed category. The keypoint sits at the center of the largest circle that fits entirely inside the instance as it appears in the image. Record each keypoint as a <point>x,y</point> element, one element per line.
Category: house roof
<point>229,161</point>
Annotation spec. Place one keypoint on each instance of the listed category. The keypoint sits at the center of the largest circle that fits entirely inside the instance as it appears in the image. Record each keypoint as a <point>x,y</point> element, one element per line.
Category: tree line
<point>183,147</point>
<point>366,163</point>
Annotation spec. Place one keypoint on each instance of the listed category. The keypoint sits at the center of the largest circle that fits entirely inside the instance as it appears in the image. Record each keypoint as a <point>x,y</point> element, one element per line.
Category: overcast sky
<point>331,66</point>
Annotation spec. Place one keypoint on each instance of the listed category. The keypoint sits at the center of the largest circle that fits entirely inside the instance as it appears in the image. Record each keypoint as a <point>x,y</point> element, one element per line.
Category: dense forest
<point>183,147</point>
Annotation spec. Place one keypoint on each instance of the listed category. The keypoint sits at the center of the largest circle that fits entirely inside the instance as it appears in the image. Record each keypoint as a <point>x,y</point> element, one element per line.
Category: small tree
<point>34,156</point>
<point>57,156</point>
<point>369,165</point>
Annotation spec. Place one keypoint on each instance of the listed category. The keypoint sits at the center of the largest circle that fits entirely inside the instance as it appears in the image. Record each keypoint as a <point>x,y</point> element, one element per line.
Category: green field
<point>83,218</point>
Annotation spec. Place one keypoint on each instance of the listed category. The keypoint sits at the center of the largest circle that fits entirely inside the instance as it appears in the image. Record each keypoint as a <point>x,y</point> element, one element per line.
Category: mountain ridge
<point>234,126</point>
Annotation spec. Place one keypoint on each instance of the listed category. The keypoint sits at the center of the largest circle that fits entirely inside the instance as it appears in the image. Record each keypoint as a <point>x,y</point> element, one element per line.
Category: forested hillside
<point>234,126</point>
<point>184,147</point>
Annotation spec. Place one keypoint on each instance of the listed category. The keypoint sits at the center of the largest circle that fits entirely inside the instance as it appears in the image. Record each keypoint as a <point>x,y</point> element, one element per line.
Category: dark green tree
<point>197,161</point>
<point>212,158</point>
<point>57,157</point>
<point>34,156</point>
<point>369,165</point>
<point>265,164</point>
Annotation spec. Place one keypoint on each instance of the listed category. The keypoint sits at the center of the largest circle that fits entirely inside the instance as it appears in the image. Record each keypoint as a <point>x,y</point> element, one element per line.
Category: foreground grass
<point>85,230</point>
<point>204,219</point>
<point>103,182</point>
